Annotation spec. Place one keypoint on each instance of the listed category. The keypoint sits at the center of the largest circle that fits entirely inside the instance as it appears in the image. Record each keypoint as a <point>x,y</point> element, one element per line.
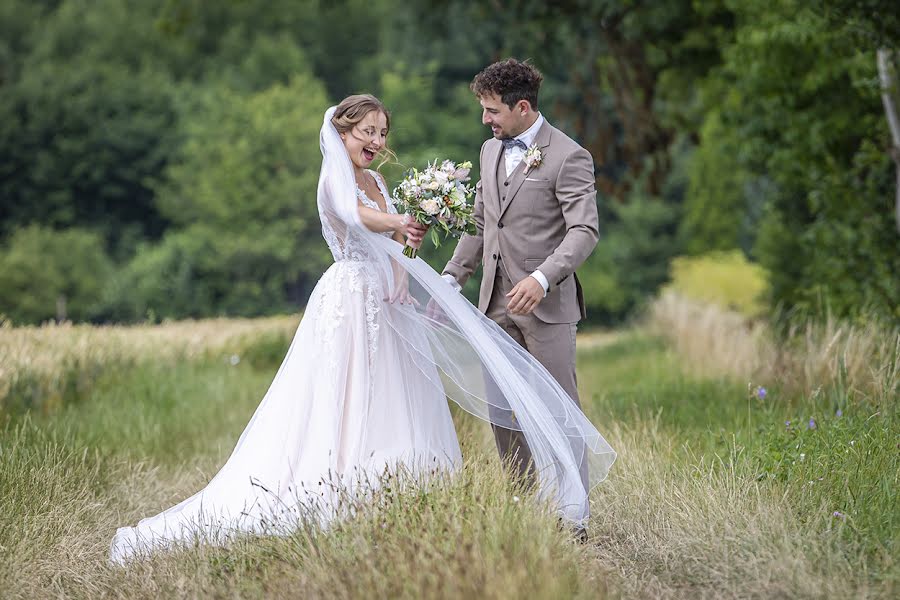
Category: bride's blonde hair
<point>354,109</point>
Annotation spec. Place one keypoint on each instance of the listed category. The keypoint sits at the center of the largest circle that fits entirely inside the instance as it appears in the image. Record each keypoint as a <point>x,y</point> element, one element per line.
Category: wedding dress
<point>362,392</point>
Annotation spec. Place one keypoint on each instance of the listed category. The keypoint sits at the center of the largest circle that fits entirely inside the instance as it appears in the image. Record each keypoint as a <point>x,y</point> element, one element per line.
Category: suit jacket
<point>540,218</point>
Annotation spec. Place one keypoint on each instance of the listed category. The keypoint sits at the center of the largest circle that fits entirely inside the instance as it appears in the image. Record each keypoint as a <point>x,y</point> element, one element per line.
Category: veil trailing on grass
<point>466,355</point>
<point>362,394</point>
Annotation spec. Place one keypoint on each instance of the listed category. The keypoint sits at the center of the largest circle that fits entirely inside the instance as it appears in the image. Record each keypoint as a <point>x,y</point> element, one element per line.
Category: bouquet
<point>438,196</point>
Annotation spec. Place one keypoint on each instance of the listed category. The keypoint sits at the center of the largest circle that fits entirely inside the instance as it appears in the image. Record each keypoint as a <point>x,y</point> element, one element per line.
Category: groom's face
<point>505,122</point>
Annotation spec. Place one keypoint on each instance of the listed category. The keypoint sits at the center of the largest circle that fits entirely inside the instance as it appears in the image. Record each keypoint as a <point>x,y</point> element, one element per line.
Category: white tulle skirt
<point>349,402</point>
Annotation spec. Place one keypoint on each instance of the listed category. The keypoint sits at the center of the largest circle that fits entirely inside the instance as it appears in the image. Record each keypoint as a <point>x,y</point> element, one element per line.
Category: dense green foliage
<point>46,273</point>
<point>806,116</point>
<point>182,134</point>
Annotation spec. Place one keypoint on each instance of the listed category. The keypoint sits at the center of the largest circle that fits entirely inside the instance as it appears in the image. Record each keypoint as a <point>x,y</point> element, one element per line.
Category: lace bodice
<point>372,204</point>
<point>349,245</point>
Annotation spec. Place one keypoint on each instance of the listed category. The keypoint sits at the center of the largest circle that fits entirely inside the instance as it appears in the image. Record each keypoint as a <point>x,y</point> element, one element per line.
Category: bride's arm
<point>377,221</point>
<point>402,226</point>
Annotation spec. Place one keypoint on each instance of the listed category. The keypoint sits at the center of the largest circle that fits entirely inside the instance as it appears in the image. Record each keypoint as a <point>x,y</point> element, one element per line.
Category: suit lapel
<point>541,140</point>
<point>489,171</point>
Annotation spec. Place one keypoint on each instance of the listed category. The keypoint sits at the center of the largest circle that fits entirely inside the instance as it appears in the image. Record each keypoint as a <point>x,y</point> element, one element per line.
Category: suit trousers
<point>552,344</point>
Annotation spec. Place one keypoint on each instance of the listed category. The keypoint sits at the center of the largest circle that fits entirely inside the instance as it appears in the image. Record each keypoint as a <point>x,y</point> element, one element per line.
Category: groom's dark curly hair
<point>511,80</point>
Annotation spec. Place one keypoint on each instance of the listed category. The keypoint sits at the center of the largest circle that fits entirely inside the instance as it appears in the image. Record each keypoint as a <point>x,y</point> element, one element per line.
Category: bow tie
<point>509,143</point>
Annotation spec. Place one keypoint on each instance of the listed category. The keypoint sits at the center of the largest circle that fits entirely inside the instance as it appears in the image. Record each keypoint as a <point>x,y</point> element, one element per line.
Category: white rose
<point>431,206</point>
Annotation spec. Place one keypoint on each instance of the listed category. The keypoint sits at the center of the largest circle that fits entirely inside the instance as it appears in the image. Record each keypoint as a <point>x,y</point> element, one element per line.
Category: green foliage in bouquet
<point>438,196</point>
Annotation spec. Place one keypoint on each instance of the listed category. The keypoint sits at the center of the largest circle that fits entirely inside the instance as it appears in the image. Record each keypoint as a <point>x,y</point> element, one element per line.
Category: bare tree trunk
<point>886,72</point>
<point>61,313</point>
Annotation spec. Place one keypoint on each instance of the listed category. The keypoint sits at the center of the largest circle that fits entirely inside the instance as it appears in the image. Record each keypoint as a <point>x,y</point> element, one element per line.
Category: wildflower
<point>802,456</point>
<point>235,359</point>
<point>515,498</point>
<point>838,515</point>
<point>787,424</point>
<point>839,413</point>
<point>761,392</point>
<point>811,424</point>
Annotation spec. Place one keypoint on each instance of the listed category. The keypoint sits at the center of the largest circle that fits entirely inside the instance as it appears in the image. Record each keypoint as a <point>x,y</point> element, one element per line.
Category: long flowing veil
<point>466,355</point>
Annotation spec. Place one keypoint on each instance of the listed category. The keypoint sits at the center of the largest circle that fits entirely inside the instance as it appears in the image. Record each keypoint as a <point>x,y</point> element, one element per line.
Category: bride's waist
<point>354,262</point>
<point>368,268</point>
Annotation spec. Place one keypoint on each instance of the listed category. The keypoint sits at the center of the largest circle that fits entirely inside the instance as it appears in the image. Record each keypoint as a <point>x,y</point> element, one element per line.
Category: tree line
<point>159,158</point>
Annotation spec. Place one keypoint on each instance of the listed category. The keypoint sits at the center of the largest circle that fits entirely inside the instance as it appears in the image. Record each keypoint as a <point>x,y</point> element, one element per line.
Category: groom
<point>536,215</point>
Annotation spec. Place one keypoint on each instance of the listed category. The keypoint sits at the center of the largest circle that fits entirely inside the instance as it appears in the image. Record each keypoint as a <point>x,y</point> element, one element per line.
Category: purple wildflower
<point>811,424</point>
<point>839,413</point>
<point>838,514</point>
<point>787,424</point>
<point>761,393</point>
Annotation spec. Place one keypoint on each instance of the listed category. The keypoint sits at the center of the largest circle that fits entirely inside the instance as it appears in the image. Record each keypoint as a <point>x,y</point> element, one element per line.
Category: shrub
<point>724,278</point>
<point>46,273</point>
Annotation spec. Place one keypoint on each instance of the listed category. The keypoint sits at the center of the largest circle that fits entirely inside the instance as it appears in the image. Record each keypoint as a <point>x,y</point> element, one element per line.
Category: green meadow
<point>720,489</point>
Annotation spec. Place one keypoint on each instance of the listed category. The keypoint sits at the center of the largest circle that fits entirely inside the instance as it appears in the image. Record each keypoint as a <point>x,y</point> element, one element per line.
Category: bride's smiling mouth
<point>369,154</point>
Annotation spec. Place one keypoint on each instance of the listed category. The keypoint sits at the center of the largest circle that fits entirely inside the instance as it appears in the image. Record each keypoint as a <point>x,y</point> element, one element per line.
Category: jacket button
<point>494,256</point>
<point>500,224</point>
<point>505,183</point>
<point>503,199</point>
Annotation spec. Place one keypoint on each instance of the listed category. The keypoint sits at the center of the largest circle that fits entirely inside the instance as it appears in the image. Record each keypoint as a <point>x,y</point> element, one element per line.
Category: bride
<point>363,389</point>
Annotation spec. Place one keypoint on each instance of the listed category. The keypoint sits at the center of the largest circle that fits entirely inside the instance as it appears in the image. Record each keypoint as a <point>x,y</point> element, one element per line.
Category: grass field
<point>721,490</point>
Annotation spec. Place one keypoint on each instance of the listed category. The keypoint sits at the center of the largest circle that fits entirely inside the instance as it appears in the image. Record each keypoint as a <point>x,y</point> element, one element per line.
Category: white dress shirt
<point>512,157</point>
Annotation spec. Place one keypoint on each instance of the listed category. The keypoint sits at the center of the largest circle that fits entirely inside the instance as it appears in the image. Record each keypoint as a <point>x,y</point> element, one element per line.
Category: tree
<point>620,74</point>
<point>244,185</point>
<point>81,146</point>
<point>810,120</point>
<point>46,274</point>
<point>877,24</point>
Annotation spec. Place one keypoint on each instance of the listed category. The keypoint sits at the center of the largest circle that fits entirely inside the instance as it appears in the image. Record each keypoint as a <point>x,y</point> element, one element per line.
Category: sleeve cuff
<point>452,281</point>
<point>542,279</point>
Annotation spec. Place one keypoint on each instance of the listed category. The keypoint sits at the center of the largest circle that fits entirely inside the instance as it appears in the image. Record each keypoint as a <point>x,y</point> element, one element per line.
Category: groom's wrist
<point>541,279</point>
<point>452,281</point>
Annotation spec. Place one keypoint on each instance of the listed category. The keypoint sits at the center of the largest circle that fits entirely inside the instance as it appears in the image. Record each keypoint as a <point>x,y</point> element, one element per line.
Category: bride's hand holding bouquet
<point>438,198</point>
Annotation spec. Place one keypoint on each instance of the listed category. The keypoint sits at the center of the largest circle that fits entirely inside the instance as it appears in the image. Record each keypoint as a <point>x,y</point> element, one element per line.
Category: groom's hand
<point>525,296</point>
<point>434,312</point>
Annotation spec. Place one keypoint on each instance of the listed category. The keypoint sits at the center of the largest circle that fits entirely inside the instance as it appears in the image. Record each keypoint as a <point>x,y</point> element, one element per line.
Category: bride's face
<point>366,139</point>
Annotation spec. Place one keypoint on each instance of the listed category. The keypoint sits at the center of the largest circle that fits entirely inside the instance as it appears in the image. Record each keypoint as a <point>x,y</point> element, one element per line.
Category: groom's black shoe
<point>579,532</point>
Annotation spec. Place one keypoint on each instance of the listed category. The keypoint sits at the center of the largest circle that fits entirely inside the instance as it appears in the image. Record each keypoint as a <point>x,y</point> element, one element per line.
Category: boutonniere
<point>533,157</point>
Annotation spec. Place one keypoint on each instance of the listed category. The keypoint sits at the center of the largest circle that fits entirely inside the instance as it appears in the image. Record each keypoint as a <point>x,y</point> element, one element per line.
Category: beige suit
<point>541,218</point>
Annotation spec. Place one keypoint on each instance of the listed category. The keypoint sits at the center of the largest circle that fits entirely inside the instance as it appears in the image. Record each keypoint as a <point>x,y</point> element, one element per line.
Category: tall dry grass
<point>663,526</point>
<point>675,519</point>
<point>674,524</point>
<point>43,367</point>
<point>712,341</point>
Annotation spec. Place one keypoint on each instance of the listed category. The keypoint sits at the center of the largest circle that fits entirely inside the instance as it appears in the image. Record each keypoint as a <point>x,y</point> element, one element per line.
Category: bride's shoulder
<point>379,178</point>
